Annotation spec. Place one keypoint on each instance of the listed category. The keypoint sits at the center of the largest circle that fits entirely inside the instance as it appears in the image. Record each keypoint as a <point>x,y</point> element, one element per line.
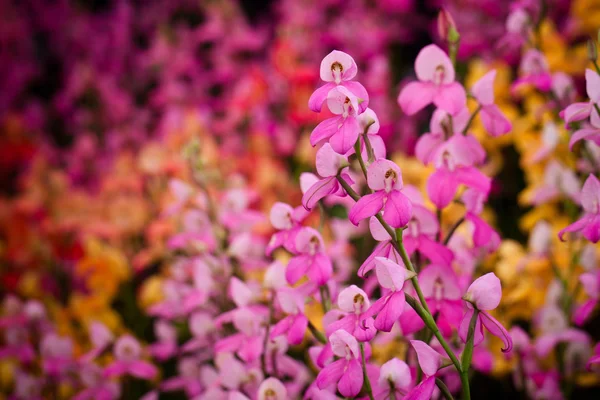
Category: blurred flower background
<point>144,143</point>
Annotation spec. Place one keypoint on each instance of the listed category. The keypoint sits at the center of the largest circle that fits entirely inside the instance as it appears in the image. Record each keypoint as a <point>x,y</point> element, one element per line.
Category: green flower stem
<point>467,356</point>
<point>470,121</point>
<point>443,389</point>
<point>366,381</point>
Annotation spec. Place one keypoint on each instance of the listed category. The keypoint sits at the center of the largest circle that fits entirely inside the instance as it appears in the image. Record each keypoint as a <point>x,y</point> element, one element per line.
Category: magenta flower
<point>442,292</point>
<point>338,68</point>
<point>595,358</point>
<point>436,84</point>
<point>589,223</point>
<point>554,329</point>
<point>590,281</point>
<point>484,237</point>
<point>385,178</point>
<point>581,111</point>
<point>127,353</point>
<point>287,221</point>
<point>346,372</point>
<point>294,325</point>
<point>329,163</point>
<point>484,295</point>
<point>201,325</point>
<point>352,315</point>
<point>420,234</point>
<point>590,132</point>
<point>100,337</point>
<point>57,354</point>
<point>441,127</point>
<point>558,180</point>
<point>518,28</point>
<point>492,118</point>
<point>272,389</point>
<point>97,387</point>
<point>394,378</point>
<point>384,249</point>
<point>454,166</point>
<point>342,130</point>
<point>187,378</point>
<point>534,70</point>
<point>389,307</point>
<point>310,260</point>
<point>166,345</point>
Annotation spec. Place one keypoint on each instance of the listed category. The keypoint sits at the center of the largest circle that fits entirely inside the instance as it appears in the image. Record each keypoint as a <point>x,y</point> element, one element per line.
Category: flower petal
<point>415,96</point>
<point>366,206</point>
<point>397,209</point>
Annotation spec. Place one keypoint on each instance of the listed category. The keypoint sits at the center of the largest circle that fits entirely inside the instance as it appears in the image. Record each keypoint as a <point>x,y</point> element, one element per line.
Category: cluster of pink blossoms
<point>428,303</point>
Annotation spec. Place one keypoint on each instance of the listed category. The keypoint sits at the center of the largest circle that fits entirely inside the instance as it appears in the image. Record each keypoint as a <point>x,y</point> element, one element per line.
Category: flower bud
<point>592,50</point>
<point>445,24</point>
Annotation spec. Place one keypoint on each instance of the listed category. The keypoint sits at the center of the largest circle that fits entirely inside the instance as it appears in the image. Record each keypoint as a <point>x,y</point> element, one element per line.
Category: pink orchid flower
<point>484,295</point>
<point>430,362</point>
<point>563,88</point>
<point>420,234</point>
<point>534,70</point>
<point>311,259</point>
<point>353,304</point>
<point>166,345</point>
<point>338,68</point>
<point>454,166</point>
<point>590,132</point>
<point>485,238</point>
<point>590,281</point>
<point>389,307</point>
<point>328,163</point>
<point>558,180</point>
<point>247,318</point>
<point>595,358</point>
<point>494,121</point>
<point>187,378</point>
<point>589,223</point>
<point>343,129</point>
<point>96,385</point>
<point>201,325</point>
<point>554,329</point>
<point>550,139</point>
<point>127,353</point>
<point>287,221</point>
<point>436,84</point>
<point>294,325</point>
<point>442,126</point>
<point>518,27</point>
<point>581,111</point>
<point>248,342</point>
<point>57,354</point>
<point>272,389</point>
<point>384,249</point>
<point>16,345</point>
<point>385,178</point>
<point>442,291</point>
<point>394,379</point>
<point>346,372</point>
<point>100,337</point>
